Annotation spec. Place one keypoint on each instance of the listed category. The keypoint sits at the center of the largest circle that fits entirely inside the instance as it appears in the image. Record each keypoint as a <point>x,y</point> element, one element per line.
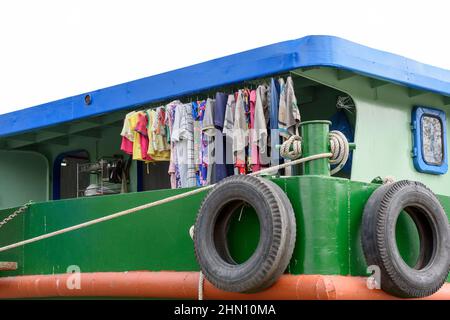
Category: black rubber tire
<point>277,234</point>
<point>379,242</point>
<point>291,233</point>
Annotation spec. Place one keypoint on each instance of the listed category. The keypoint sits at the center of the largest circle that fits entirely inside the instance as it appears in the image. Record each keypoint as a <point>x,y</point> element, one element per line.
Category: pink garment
<point>173,170</point>
<point>254,153</point>
<point>141,128</point>
<point>126,146</point>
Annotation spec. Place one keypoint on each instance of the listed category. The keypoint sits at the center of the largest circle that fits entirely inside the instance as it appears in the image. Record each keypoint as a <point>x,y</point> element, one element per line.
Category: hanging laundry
<point>137,150</point>
<point>289,115</point>
<point>162,131</point>
<point>209,132</point>
<point>274,100</point>
<point>127,135</point>
<point>261,121</point>
<point>206,141</point>
<point>240,133</point>
<point>158,149</point>
<point>220,108</point>
<point>183,138</point>
<point>208,118</point>
<point>254,159</point>
<point>197,141</point>
<point>219,168</point>
<point>228,122</point>
<point>227,130</point>
<point>141,129</point>
<point>173,167</point>
<point>200,142</point>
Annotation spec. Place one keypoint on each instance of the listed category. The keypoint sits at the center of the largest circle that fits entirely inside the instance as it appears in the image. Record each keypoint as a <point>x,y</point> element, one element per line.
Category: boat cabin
<point>377,98</point>
<point>345,136</point>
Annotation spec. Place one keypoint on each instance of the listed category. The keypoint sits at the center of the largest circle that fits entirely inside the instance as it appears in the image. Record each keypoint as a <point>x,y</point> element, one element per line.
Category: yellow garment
<point>133,120</point>
<point>127,132</point>
<point>158,148</point>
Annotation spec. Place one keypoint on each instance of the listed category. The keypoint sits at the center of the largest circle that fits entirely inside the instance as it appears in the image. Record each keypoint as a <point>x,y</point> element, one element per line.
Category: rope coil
<point>292,149</point>
<point>340,149</point>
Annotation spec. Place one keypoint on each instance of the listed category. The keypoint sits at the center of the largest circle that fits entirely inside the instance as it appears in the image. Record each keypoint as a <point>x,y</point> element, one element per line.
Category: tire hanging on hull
<point>277,234</point>
<point>379,240</point>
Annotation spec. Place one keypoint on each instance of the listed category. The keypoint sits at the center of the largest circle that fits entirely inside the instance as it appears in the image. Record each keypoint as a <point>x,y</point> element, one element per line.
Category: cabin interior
<point>42,165</point>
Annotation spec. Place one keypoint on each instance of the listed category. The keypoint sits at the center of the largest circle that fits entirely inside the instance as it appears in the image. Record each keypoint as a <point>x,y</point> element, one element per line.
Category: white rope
<point>388,179</point>
<point>346,103</point>
<point>201,276</point>
<point>201,280</point>
<point>340,150</point>
<point>292,148</point>
<point>154,204</point>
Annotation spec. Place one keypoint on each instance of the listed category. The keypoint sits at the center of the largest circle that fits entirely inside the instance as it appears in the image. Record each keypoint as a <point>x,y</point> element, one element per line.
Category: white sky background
<point>51,49</point>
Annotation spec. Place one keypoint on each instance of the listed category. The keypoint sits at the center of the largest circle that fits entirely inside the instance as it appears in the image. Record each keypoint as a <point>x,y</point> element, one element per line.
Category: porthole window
<point>430,140</point>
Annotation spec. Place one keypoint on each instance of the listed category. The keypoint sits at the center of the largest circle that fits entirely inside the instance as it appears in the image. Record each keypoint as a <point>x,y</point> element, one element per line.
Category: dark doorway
<point>154,176</point>
<point>65,174</point>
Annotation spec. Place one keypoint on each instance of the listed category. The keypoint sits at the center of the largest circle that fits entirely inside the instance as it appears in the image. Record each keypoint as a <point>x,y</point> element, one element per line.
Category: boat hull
<point>185,285</point>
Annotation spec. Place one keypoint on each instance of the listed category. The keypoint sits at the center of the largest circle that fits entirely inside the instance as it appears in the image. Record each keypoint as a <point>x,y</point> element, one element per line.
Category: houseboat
<point>315,168</point>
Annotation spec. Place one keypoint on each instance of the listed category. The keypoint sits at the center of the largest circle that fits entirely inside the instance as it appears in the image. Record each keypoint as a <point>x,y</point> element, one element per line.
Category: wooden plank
<point>8,266</point>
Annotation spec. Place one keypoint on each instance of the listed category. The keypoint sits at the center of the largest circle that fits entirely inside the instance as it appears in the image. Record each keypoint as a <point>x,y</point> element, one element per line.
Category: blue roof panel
<point>308,51</point>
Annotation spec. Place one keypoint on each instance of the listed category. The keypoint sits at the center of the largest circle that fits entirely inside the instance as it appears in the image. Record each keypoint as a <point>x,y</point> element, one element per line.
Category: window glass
<point>432,140</point>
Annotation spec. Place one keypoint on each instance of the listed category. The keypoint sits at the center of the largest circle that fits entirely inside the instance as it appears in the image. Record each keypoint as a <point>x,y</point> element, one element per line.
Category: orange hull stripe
<point>184,285</point>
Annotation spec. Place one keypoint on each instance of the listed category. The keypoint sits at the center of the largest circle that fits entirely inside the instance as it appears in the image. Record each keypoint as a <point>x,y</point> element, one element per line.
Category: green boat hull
<point>328,212</point>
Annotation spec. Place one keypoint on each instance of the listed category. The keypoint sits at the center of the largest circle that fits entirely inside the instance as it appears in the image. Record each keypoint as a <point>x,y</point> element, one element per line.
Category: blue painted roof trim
<point>309,51</point>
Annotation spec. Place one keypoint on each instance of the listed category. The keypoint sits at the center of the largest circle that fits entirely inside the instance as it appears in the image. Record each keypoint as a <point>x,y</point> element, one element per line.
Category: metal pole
<point>316,140</point>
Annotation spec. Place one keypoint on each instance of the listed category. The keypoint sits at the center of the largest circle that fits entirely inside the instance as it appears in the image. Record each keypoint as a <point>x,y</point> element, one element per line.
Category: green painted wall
<point>382,134</point>
<point>24,177</point>
<point>328,214</point>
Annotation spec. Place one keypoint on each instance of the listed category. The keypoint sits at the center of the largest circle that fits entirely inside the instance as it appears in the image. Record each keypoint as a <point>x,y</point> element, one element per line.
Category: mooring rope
<point>156,203</point>
<point>201,276</point>
<point>291,149</point>
<point>340,149</point>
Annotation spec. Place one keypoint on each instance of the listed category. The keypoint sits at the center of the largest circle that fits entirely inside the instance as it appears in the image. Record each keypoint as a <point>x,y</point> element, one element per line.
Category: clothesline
<point>209,93</point>
<point>210,139</point>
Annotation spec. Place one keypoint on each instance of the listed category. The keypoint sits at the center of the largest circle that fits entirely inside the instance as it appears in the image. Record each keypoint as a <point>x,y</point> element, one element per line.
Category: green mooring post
<point>316,140</point>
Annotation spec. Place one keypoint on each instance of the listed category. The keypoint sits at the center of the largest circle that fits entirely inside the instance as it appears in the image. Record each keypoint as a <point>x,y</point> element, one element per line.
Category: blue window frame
<point>429,140</point>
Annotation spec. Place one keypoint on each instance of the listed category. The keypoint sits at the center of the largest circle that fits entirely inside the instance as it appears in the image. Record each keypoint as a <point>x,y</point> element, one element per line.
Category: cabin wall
<point>383,134</point>
<point>107,145</point>
<point>24,177</point>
